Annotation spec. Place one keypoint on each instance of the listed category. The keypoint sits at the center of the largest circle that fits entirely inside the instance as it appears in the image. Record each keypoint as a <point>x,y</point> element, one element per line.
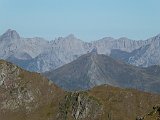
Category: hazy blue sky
<point>87,19</point>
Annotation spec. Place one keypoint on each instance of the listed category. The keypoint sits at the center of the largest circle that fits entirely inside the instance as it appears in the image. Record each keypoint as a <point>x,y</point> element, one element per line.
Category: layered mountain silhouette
<point>94,69</point>
<point>144,56</point>
<point>30,96</point>
<point>39,55</point>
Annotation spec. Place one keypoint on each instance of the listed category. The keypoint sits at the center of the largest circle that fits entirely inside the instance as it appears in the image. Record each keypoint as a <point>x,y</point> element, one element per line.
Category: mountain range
<point>39,55</point>
<point>28,95</point>
<point>95,69</point>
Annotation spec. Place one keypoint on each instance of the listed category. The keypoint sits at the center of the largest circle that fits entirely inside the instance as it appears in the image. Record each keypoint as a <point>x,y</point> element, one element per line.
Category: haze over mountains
<point>37,54</point>
<point>94,69</point>
<point>72,64</point>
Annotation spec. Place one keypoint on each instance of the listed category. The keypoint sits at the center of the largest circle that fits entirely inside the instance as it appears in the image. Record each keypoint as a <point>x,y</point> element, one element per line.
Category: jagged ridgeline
<point>30,96</point>
<point>39,55</point>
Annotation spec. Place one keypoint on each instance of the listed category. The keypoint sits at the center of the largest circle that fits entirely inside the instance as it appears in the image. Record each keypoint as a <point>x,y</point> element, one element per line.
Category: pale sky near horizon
<point>86,19</point>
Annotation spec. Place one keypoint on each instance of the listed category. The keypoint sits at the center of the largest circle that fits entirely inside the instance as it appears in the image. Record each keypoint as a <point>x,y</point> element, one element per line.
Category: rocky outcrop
<point>29,96</point>
<point>153,115</point>
<point>80,106</point>
<point>25,95</point>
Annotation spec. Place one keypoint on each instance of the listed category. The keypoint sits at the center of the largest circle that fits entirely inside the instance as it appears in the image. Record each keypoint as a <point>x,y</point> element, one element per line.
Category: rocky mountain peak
<point>94,50</point>
<point>71,36</point>
<point>91,70</point>
<point>158,36</point>
<point>124,39</point>
<point>107,39</point>
<point>10,34</point>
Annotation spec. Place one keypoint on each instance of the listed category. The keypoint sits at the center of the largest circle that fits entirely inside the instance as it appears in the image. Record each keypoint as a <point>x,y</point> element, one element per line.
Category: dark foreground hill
<point>93,69</point>
<point>29,96</point>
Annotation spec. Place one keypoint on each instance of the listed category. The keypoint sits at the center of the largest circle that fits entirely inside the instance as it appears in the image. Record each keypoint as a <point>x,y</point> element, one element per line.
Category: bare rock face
<point>14,46</point>
<point>23,93</point>
<point>105,45</point>
<point>80,106</point>
<point>48,55</point>
<point>147,55</point>
<point>10,34</point>
<point>8,74</point>
<point>9,81</point>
